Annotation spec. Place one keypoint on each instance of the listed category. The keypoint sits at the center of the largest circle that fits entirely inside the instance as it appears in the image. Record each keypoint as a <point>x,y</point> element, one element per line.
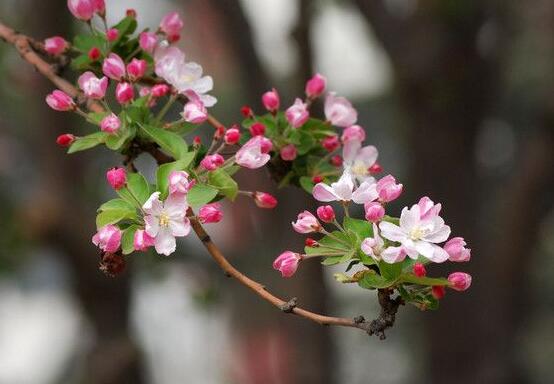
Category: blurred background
<point>457,95</point>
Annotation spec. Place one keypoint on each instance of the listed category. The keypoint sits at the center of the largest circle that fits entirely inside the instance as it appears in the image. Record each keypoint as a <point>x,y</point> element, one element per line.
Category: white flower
<point>344,190</point>
<point>417,236</point>
<point>358,160</point>
<point>165,221</point>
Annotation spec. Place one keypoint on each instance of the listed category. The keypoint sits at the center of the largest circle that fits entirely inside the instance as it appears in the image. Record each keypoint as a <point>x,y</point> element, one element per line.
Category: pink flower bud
<point>142,240</point>
<point>297,114</point>
<point>265,200</point>
<point>131,13</point>
<point>112,34</point>
<point>93,87</point>
<point>212,162</point>
<point>210,213</point>
<point>99,7</point>
<point>219,132</point>
<point>94,53</point>
<point>179,182</point>
<point>82,9</point>
<point>419,270</point>
<point>388,189</point>
<point>55,45</point>
<point>374,211</point>
<point>339,111</point>
<point>60,101</point>
<point>114,67</point>
<point>428,209</point>
<point>288,152</point>
<point>438,291</point>
<point>246,111</point>
<point>65,140</point>
<point>108,238</point>
<point>197,141</point>
<point>306,223</point>
<point>271,100</point>
<point>117,178</point>
<point>160,90</point>
<point>148,41</point>
<point>326,213</point>
<point>455,247</point>
<point>144,91</point>
<point>459,281</point>
<point>266,144</point>
<point>136,69</point>
<point>337,160</point>
<point>330,143</point>
<point>232,136</point>
<point>195,112</point>
<point>257,129</point>
<point>309,242</point>
<point>287,263</point>
<point>353,133</point>
<point>171,25</point>
<point>315,86</point>
<point>124,93</point>
<point>110,123</point>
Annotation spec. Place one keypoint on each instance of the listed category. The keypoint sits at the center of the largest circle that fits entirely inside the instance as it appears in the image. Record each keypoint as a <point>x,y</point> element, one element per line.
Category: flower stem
<point>166,107</point>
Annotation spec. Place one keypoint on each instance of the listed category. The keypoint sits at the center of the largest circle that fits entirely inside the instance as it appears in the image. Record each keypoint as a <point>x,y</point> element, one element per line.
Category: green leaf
<point>361,228</point>
<point>390,272</point>
<point>96,117</point>
<point>225,183</point>
<point>113,216</point>
<point>137,190</point>
<point>170,142</point>
<point>125,27</point>
<point>390,219</point>
<point>162,174</point>
<point>116,204</point>
<point>127,239</point>
<point>307,184</point>
<point>413,279</point>
<point>85,43</point>
<point>371,280</point>
<point>306,143</point>
<point>87,142</point>
<point>200,195</point>
<point>332,260</point>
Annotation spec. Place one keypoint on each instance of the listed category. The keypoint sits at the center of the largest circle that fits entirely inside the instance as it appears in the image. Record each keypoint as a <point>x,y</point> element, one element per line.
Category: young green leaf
<point>87,142</point>
<point>127,239</point>
<point>116,204</point>
<point>225,183</point>
<point>113,216</point>
<point>137,190</point>
<point>413,279</point>
<point>361,228</point>
<point>201,194</point>
<point>170,142</point>
<point>371,280</point>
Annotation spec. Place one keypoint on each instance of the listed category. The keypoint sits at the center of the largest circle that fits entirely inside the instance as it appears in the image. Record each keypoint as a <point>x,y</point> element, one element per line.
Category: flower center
<point>359,169</point>
<point>416,233</point>
<point>164,219</point>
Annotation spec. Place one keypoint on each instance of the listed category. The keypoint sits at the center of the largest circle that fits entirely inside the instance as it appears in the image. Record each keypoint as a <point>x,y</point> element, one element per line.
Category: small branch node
<point>289,305</point>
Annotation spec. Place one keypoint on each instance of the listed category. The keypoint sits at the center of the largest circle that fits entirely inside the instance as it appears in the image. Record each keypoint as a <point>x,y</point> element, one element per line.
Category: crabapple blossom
<point>124,93</point>
<point>326,213</point>
<point>306,223</point>
<point>315,86</point>
<point>142,240</point>
<point>210,213</point>
<point>271,100</point>
<point>195,112</point>
<point>112,34</point>
<point>148,41</point>
<point>117,178</point>
<point>353,133</point>
<point>357,160</point>
<point>114,67</point>
<point>160,90</point>
<point>251,155</point>
<point>166,220</point>
<point>459,281</point>
<point>232,136</point>
<point>82,9</point>
<point>455,247</point>
<point>99,7</point>
<point>388,189</point>
<point>287,263</point>
<point>212,162</point>
<point>93,87</point>
<point>339,111</point>
<point>179,182</point>
<point>110,123</point>
<point>136,69</point>
<point>108,238</point>
<point>55,45</point>
<point>373,246</point>
<point>330,143</point>
<point>297,114</point>
<point>374,211</point>
<point>266,144</point>
<point>60,101</point>
<point>288,152</point>
<point>265,200</point>
<point>257,129</point>
<point>65,140</point>
<point>428,209</point>
<point>418,236</point>
<point>171,25</point>
<point>345,190</point>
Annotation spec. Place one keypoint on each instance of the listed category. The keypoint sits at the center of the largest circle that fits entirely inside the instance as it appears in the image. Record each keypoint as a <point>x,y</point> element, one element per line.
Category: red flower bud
<point>438,291</point>
<point>317,179</point>
<point>94,53</point>
<point>264,200</point>
<point>336,160</point>
<point>65,140</point>
<point>419,270</point>
<point>257,129</point>
<point>375,168</point>
<point>246,111</point>
<point>131,13</point>
<point>311,242</point>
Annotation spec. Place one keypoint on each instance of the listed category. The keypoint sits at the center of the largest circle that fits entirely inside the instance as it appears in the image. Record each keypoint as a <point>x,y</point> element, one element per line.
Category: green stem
<point>166,107</point>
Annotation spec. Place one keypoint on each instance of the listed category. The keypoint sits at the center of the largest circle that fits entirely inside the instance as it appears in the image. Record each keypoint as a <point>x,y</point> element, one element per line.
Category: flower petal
<point>323,192</point>
<point>365,193</point>
<point>393,255</point>
<point>409,218</point>
<point>152,226</point>
<point>391,231</point>
<point>180,228</point>
<point>165,242</point>
<point>153,206</point>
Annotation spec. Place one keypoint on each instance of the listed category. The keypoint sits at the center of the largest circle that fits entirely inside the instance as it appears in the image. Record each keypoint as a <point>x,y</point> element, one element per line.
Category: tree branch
<point>389,306</point>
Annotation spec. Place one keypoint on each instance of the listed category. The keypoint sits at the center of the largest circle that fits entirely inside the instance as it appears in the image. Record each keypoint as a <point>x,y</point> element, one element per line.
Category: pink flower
<point>265,200</point>
<point>344,190</point>
<point>374,246</point>
<point>142,240</point>
<point>388,189</point>
<point>287,263</point>
<point>266,144</point>
<point>419,270</point>
<point>117,178</point>
<point>82,9</point>
<point>65,140</point>
<point>257,129</point>
<point>60,101</point>
<point>459,281</point>
<point>297,114</point>
<point>179,182</point>
<point>194,111</point>
<point>288,152</point>
<point>55,45</point>
<point>112,34</point>
<point>110,123</point>
<point>136,69</point>
<point>93,87</point>
<point>108,238</point>
<point>353,133</point>
<point>330,143</point>
<point>358,160</point>
<point>212,162</point>
<point>232,136</point>
<point>166,220</point>
<point>326,213</point>
<point>160,90</point>
<point>114,67</point>
<point>315,86</point>
<point>271,100</point>
<point>374,211</point>
<point>99,6</point>
<point>250,155</point>
<point>124,93</point>
<point>306,223</point>
<point>210,213</point>
<point>428,208</point>
<point>456,249</point>
<point>148,41</point>
<point>339,111</point>
<point>171,25</point>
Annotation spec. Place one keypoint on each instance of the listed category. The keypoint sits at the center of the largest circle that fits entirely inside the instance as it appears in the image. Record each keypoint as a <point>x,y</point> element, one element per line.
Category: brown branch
<point>388,305</point>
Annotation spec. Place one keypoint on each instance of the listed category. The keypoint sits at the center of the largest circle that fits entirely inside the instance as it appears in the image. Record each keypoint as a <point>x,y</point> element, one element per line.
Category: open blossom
<point>287,263</point>
<point>210,213</point>
<point>357,160</point>
<point>60,101</point>
<point>265,200</point>
<point>271,100</point>
<point>82,9</point>
<point>344,190</point>
<point>194,111</point>
<point>124,93</point>
<point>306,223</point>
<point>114,67</point>
<point>339,111</point>
<point>92,86</point>
<point>171,25</point>
<point>251,154</point>
<point>166,220</point>
<point>373,246</point>
<point>108,238</point>
<point>148,41</point>
<point>171,66</point>
<point>427,208</point>
<point>117,178</point>
<point>459,281</point>
<point>418,236</point>
<point>136,69</point>
<point>142,240</point>
<point>297,114</point>
<point>212,162</point>
<point>388,189</point>
<point>288,152</point>
<point>315,86</point>
<point>55,45</point>
<point>455,247</point>
<point>110,123</point>
<point>179,182</point>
